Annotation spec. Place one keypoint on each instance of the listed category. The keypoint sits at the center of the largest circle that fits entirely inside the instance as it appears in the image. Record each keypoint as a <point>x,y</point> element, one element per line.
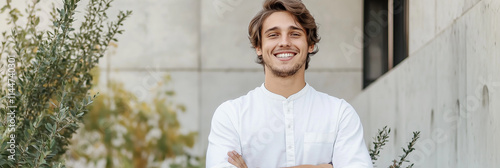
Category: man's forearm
<point>314,166</point>
<point>237,160</point>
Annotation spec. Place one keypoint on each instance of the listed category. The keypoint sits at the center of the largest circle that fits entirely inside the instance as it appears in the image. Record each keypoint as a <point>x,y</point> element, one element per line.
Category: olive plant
<point>382,138</point>
<point>46,79</point>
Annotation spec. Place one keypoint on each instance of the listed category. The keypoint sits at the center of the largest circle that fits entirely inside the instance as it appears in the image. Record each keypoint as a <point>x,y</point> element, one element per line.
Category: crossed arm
<point>349,145</point>
<point>236,160</point>
<point>223,137</point>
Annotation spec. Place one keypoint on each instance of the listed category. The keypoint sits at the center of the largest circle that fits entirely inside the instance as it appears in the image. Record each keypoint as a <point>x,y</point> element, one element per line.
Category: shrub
<point>124,131</point>
<point>382,138</point>
<point>46,80</point>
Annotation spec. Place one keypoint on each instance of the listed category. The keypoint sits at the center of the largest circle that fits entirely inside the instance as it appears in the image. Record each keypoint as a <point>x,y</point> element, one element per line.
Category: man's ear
<point>258,50</point>
<point>311,48</point>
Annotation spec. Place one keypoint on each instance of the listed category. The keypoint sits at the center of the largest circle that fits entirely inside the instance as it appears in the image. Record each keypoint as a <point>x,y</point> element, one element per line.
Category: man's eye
<point>295,34</point>
<point>272,35</point>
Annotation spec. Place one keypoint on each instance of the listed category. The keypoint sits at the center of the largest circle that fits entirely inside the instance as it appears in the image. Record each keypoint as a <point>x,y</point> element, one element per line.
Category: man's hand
<point>236,159</point>
<point>313,166</point>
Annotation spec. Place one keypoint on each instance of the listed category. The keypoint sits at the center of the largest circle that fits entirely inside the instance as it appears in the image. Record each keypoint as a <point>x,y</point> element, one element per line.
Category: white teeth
<point>284,55</point>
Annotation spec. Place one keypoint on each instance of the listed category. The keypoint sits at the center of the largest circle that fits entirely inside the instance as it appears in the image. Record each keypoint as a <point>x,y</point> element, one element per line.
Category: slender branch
<point>406,152</point>
<point>379,142</point>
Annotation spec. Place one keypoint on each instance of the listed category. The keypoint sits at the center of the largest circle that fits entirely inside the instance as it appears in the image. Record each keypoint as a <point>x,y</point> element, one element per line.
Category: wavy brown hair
<point>299,12</point>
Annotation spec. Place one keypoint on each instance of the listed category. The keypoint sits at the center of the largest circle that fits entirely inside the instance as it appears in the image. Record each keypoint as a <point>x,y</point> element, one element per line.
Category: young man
<point>285,122</point>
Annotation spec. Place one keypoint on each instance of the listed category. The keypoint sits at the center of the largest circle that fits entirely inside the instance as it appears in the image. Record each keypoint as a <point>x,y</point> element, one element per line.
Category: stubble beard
<point>283,73</point>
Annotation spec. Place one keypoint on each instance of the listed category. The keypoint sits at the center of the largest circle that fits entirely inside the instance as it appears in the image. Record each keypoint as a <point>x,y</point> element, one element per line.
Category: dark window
<point>400,31</point>
<point>385,37</point>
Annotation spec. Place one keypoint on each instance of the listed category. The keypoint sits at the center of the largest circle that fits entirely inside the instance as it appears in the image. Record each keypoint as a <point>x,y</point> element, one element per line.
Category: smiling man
<point>285,122</point>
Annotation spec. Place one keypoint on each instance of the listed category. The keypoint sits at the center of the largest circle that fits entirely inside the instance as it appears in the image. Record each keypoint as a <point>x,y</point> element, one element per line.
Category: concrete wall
<point>449,87</point>
<point>203,45</point>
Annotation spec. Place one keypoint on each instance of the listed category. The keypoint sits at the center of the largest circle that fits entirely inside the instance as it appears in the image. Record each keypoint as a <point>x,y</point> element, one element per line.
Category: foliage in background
<point>127,132</point>
<point>382,138</point>
<point>406,152</point>
<point>52,79</point>
<point>379,142</point>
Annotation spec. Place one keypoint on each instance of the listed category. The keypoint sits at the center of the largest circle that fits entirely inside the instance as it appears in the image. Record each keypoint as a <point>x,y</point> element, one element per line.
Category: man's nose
<point>284,41</point>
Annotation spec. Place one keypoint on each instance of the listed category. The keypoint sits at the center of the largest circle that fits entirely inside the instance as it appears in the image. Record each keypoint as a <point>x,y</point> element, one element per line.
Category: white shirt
<point>269,130</point>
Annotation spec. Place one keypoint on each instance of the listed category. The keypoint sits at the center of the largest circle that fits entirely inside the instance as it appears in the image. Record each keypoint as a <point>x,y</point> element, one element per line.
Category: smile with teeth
<point>285,55</point>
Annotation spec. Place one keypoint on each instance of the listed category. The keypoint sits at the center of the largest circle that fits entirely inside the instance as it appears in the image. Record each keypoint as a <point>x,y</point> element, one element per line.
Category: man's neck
<point>285,86</point>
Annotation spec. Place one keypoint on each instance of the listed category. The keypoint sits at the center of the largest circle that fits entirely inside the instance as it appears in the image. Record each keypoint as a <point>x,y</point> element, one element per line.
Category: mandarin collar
<point>282,98</point>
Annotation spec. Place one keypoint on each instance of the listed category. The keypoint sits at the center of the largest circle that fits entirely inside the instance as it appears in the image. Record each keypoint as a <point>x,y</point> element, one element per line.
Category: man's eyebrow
<point>271,29</point>
<point>291,27</point>
<point>296,28</point>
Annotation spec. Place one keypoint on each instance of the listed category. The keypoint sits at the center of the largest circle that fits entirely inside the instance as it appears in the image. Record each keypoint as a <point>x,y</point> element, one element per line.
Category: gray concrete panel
<point>160,31</point>
<point>450,53</point>
<point>224,34</point>
<point>342,85</point>
<point>422,21</point>
<point>483,83</point>
<point>447,11</point>
<point>340,28</point>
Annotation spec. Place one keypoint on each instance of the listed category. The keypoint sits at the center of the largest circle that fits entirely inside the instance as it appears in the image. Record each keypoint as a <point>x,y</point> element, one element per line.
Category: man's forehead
<point>281,20</point>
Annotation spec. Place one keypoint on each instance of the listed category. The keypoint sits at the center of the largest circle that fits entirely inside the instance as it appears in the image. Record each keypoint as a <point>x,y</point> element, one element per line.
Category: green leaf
<point>37,21</point>
<point>48,126</point>
<point>47,73</point>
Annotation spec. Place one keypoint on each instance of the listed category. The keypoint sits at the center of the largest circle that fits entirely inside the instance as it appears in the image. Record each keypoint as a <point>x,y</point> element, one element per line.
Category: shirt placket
<point>289,133</point>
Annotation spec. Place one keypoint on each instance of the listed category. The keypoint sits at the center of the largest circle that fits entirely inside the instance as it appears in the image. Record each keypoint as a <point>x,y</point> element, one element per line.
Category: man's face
<point>284,46</point>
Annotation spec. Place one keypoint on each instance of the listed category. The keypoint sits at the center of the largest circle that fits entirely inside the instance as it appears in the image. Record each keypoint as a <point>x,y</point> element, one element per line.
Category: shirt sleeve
<point>223,137</point>
<point>350,149</point>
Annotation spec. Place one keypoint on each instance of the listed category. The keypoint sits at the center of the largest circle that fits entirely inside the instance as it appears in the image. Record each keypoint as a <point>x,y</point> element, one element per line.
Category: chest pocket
<point>318,147</point>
